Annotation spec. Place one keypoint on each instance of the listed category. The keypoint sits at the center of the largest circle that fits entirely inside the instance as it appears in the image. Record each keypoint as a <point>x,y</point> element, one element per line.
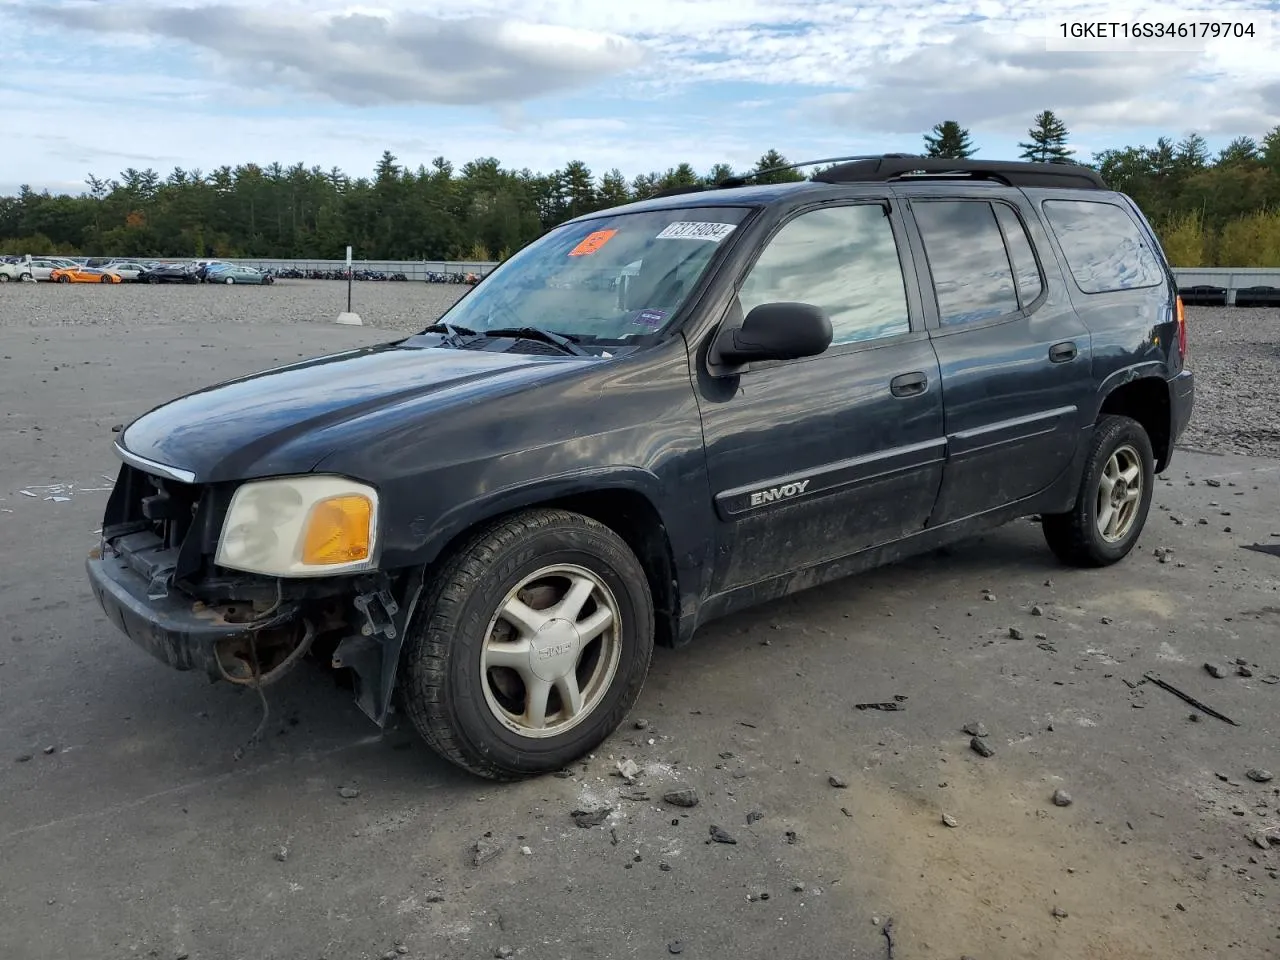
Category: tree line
<point>1208,209</point>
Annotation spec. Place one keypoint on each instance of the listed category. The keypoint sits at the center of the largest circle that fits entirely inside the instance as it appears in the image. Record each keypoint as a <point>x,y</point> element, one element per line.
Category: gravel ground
<point>1235,352</point>
<point>1236,355</point>
<point>129,829</point>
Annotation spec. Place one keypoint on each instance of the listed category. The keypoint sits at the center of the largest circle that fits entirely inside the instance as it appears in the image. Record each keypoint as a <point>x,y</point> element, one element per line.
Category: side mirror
<point>775,331</point>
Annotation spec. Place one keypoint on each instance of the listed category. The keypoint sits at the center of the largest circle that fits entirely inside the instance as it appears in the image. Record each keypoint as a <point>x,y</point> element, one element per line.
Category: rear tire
<point>1120,459</point>
<point>489,676</point>
<point>106,279</point>
<point>64,279</point>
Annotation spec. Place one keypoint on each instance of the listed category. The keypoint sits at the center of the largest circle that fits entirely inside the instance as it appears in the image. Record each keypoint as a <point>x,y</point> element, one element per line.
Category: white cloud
<point>334,82</point>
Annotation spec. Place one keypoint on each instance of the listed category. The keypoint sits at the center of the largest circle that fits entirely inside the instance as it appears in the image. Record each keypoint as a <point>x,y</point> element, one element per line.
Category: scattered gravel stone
<point>949,820</point>
<point>282,854</point>
<point>1037,611</point>
<point>1243,672</point>
<point>526,851</point>
<point>628,770</point>
<point>503,953</point>
<point>50,749</point>
<point>1215,671</point>
<point>1106,621</point>
<point>1258,775</point>
<point>754,816</point>
<point>797,886</point>
<point>720,836</point>
<point>981,747</point>
<point>684,797</point>
<point>792,837</point>
<point>1061,798</point>
<point>838,782</point>
<point>401,949</point>
<point>1016,634</point>
<point>591,818</point>
<point>348,793</point>
<point>1213,483</point>
<point>434,896</point>
<point>675,946</point>
<point>483,850</point>
<point>22,758</point>
<point>975,728</point>
<point>1059,913</point>
<point>642,724</point>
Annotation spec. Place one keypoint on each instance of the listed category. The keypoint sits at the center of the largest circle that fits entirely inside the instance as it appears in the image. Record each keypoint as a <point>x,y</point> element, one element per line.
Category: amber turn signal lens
<point>338,531</point>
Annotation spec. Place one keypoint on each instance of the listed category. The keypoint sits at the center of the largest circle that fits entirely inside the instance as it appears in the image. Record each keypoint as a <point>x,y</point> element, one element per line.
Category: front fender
<point>491,504</point>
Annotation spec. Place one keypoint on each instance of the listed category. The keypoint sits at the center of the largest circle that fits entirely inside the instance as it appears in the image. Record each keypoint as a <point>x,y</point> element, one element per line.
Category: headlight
<point>310,526</point>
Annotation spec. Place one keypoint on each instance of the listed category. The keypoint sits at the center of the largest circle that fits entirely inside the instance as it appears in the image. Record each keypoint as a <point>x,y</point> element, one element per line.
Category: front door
<point>815,459</point>
<point>1016,359</point>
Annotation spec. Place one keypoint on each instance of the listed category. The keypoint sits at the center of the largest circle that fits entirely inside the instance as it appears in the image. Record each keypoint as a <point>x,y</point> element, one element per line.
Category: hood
<point>272,422</point>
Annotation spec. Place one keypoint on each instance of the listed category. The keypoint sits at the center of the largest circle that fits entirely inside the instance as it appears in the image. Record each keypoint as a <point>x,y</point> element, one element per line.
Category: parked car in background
<point>14,270</point>
<point>127,270</point>
<point>169,273</point>
<point>82,275</point>
<point>43,267</point>
<point>234,273</point>
<point>207,269</point>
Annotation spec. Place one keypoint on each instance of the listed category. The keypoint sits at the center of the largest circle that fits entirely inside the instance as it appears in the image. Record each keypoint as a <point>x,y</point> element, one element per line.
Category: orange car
<point>83,275</point>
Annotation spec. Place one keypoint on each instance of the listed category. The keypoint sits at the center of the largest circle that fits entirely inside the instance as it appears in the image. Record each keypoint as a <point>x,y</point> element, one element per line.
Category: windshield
<point>606,279</point>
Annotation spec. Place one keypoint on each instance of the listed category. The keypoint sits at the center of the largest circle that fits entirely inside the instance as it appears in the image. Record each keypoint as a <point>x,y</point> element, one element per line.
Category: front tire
<point>1114,498</point>
<point>532,644</point>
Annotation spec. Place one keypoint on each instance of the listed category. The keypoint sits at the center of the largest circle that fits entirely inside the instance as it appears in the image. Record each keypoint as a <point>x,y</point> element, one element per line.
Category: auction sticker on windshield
<point>592,242</point>
<point>689,230</point>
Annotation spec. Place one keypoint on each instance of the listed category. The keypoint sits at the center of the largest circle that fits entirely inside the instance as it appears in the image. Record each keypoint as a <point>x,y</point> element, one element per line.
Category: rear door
<point>814,459</point>
<point>1015,358</point>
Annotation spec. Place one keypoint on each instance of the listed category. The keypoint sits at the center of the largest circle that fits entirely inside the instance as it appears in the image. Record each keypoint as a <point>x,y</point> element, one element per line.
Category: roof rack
<point>882,167</point>
<point>1009,172</point>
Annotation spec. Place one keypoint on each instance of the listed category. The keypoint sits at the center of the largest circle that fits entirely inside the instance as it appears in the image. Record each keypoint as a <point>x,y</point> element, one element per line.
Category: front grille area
<point>162,518</point>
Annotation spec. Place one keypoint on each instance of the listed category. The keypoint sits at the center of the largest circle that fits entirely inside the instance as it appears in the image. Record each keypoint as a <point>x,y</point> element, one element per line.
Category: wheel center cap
<point>554,649</point>
<point>1119,492</point>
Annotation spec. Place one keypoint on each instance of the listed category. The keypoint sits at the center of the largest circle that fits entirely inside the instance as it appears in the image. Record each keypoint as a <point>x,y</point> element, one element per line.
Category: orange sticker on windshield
<point>592,242</point>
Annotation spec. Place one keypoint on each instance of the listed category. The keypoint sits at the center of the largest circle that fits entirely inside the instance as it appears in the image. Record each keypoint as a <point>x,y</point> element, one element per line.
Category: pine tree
<point>769,161</point>
<point>1048,142</point>
<point>950,140</point>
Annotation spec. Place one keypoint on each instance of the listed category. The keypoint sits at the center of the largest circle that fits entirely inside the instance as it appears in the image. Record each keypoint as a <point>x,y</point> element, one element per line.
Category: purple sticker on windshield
<point>650,318</point>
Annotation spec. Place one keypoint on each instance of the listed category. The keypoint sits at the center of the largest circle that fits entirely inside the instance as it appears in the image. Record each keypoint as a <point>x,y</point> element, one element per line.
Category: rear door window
<point>972,277</point>
<point>1103,247</point>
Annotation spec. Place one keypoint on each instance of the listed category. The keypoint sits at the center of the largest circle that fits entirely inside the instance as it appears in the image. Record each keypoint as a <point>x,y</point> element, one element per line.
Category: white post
<point>347,317</point>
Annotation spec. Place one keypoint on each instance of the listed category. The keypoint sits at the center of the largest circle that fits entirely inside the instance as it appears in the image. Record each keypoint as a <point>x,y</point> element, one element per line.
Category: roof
<point>868,170</point>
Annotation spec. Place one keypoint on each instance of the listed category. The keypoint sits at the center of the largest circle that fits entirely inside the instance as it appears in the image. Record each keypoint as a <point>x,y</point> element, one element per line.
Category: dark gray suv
<point>651,417</point>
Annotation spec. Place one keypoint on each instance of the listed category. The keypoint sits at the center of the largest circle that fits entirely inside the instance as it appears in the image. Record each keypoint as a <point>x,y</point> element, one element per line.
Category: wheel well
<point>1147,401</point>
<point>632,517</point>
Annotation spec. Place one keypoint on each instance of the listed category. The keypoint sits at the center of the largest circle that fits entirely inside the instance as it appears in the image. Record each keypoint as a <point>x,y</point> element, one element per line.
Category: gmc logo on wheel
<point>557,650</point>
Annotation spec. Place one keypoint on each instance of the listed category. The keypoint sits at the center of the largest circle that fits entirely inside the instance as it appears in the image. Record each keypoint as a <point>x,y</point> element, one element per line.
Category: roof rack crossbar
<point>1010,172</point>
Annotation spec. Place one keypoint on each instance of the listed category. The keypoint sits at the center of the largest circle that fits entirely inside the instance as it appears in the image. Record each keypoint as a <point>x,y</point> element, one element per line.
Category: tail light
<point>1182,330</point>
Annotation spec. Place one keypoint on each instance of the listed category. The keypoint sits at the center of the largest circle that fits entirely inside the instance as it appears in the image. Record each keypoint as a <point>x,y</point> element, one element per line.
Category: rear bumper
<point>1182,399</point>
<point>178,631</point>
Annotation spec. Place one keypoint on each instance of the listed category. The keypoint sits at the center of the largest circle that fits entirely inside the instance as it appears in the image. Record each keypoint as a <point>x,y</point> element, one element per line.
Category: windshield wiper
<point>566,342</point>
<point>452,335</point>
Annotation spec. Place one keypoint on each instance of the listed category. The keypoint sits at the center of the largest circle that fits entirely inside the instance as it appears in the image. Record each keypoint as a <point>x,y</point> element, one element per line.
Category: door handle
<point>1062,352</point>
<point>908,384</point>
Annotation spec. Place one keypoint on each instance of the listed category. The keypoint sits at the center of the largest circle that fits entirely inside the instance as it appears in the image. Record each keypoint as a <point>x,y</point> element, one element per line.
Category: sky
<point>97,86</point>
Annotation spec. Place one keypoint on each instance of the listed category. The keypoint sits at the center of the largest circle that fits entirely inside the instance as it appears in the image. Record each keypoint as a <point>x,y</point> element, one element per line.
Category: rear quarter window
<point>1105,250</point>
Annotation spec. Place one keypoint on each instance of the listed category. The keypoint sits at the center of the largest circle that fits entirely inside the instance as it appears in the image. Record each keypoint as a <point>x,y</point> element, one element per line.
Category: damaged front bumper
<point>225,641</point>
